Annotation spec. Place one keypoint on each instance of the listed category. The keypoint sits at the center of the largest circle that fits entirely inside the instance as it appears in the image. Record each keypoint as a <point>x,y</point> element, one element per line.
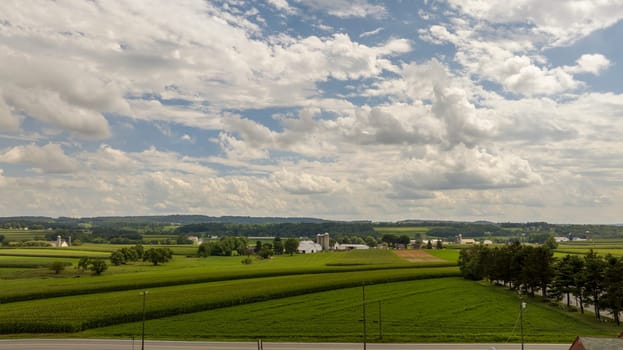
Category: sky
<point>338,109</point>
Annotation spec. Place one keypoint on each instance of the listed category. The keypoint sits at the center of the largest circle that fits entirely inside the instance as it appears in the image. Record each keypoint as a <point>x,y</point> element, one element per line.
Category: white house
<point>307,246</point>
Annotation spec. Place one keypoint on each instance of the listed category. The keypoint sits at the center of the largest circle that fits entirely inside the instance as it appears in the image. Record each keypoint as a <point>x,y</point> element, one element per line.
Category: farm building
<point>60,242</point>
<point>324,240</point>
<point>306,247</point>
<point>350,246</point>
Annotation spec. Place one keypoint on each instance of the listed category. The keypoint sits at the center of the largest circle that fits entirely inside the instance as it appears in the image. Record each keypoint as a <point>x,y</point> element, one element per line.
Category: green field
<point>431,310</point>
<point>315,297</point>
<point>21,235</point>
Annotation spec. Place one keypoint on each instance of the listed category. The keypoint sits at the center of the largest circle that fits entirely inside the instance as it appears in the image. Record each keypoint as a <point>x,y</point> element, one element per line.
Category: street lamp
<point>144,294</point>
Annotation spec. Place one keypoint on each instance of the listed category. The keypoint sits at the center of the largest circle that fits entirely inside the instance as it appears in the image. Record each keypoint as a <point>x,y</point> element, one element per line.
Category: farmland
<point>220,291</point>
<point>312,297</point>
<point>430,310</point>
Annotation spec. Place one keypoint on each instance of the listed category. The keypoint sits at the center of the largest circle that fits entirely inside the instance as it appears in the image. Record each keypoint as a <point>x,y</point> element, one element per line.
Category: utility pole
<point>363,290</point>
<point>144,293</point>
<point>380,322</point>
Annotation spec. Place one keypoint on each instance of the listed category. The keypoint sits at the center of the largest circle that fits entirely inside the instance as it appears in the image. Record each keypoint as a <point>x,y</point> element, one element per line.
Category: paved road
<point>105,344</point>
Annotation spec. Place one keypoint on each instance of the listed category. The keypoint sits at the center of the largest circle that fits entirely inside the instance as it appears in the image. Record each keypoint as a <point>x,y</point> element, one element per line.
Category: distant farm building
<point>60,242</point>
<point>308,246</point>
<point>323,240</point>
<point>462,240</point>
<point>350,246</point>
<point>196,240</point>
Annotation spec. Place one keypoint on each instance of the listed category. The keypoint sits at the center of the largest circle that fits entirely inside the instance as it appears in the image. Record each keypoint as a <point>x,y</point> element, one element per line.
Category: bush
<point>57,266</point>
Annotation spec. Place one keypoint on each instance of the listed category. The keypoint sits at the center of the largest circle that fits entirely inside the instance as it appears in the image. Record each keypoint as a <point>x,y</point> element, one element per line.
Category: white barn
<point>306,247</point>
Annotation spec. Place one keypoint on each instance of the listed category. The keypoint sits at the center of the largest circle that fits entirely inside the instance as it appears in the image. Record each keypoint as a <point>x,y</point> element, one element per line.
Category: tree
<point>613,287</point>
<point>429,245</point>
<point>98,265</point>
<point>83,263</point>
<point>117,258</point>
<point>371,241</point>
<point>206,249</point>
<point>565,280</point>
<point>404,239</point>
<point>277,246</point>
<point>57,267</point>
<point>157,255</point>
<point>291,245</point>
<point>594,270</point>
<point>139,251</point>
<point>258,246</point>
<point>1,239</point>
<point>551,243</point>
<point>266,251</point>
<point>470,264</point>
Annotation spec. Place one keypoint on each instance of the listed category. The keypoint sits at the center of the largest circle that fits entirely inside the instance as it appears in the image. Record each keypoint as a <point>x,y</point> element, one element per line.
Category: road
<point>106,344</point>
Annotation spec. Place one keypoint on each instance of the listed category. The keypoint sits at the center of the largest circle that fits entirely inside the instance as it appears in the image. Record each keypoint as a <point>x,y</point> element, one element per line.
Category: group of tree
<point>97,265</point>
<point>591,279</point>
<point>158,255</point>
<point>228,246</point>
<point>278,229</point>
<point>155,256</point>
<point>369,240</point>
<point>225,246</point>
<point>278,247</point>
<point>126,255</point>
<point>393,240</point>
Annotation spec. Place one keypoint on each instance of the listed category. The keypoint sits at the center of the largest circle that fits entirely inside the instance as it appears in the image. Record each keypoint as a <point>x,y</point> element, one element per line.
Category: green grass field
<point>21,235</point>
<point>314,297</point>
<point>431,310</point>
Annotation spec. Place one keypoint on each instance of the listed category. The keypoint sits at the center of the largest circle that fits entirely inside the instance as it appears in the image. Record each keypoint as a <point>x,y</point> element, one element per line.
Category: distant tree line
<point>591,279</point>
<point>278,230</point>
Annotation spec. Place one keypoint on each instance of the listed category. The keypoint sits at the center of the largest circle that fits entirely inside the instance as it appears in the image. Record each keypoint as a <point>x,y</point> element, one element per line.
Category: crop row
<point>74,313</point>
<point>21,290</point>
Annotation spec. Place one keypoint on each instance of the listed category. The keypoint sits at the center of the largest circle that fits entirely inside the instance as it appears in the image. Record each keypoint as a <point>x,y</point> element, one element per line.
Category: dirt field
<point>417,256</point>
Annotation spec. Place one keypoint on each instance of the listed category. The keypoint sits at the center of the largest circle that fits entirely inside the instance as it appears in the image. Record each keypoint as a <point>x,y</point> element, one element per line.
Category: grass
<point>21,235</point>
<point>52,253</point>
<point>287,298</point>
<point>182,270</point>
<point>431,310</point>
<point>451,255</point>
<point>71,313</point>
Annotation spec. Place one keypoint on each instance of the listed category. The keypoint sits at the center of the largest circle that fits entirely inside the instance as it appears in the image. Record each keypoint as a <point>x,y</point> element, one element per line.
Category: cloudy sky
<point>340,109</point>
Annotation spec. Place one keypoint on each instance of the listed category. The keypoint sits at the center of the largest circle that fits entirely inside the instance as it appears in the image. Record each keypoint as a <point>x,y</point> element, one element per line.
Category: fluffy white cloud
<point>303,183</point>
<point>49,158</point>
<point>590,63</point>
<point>565,21</point>
<point>465,168</point>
